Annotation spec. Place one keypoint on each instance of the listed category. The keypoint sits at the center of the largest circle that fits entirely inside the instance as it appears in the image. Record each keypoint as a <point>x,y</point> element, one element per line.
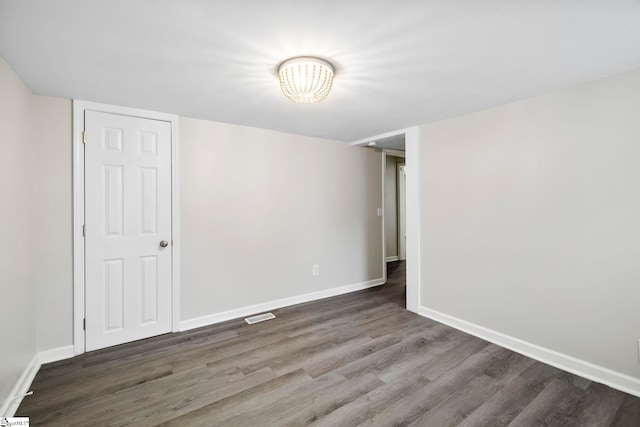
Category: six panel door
<point>128,270</point>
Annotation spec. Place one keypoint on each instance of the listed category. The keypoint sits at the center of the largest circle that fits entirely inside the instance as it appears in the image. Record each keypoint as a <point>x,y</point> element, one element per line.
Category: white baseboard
<point>11,404</point>
<point>613,379</point>
<point>392,258</point>
<point>56,354</point>
<point>272,305</point>
<point>22,386</point>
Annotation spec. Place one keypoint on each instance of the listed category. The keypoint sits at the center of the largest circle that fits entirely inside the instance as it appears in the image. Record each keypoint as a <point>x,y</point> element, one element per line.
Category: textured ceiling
<point>398,63</point>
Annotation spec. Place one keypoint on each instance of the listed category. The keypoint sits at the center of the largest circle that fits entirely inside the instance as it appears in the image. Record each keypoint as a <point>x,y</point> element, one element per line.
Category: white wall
<point>530,220</point>
<point>53,220</point>
<point>391,206</point>
<point>17,144</point>
<point>259,208</point>
<point>251,230</point>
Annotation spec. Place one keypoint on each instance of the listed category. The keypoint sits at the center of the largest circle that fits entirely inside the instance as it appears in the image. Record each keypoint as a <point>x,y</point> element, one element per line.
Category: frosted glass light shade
<point>306,79</point>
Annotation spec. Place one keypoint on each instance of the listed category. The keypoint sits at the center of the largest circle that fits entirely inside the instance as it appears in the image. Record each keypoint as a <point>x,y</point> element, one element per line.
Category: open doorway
<point>403,147</point>
<point>395,207</point>
<point>394,218</point>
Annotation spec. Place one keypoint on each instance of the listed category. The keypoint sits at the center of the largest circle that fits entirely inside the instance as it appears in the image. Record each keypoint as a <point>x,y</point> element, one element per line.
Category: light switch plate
<point>379,211</point>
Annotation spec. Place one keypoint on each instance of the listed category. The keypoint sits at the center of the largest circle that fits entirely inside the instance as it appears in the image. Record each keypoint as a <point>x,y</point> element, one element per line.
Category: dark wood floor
<point>358,359</point>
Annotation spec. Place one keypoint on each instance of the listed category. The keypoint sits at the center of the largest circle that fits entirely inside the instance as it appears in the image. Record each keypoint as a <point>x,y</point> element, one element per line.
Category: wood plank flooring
<point>357,359</point>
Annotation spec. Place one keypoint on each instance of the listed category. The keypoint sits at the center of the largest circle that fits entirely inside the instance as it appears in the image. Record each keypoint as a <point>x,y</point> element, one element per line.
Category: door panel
<point>127,213</point>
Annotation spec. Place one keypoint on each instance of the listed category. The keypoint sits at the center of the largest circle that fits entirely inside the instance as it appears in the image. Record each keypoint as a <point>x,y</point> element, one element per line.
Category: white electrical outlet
<point>315,270</point>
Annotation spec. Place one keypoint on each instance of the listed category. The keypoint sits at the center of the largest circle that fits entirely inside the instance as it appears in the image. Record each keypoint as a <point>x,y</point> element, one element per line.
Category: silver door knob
<point>164,243</point>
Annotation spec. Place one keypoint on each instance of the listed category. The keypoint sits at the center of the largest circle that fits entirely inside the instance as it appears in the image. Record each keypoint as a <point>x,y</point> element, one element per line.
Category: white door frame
<point>412,145</point>
<point>386,153</point>
<point>79,107</point>
<point>401,209</point>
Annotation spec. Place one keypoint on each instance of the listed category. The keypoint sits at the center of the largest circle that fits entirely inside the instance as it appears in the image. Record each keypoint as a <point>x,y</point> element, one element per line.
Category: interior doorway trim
<point>386,153</point>
<point>412,145</point>
<point>79,107</point>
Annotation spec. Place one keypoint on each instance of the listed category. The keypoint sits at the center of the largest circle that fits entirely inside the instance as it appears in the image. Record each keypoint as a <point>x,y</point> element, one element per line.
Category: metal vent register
<point>259,318</point>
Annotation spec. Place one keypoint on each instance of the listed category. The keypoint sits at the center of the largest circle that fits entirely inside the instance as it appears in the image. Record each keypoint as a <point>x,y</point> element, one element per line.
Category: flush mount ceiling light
<point>306,79</point>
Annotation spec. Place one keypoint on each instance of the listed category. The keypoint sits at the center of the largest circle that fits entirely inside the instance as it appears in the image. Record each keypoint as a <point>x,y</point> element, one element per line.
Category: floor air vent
<point>259,318</point>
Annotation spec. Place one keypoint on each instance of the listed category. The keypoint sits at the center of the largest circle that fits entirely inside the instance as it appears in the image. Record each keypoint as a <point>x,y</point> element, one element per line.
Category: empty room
<point>292,213</point>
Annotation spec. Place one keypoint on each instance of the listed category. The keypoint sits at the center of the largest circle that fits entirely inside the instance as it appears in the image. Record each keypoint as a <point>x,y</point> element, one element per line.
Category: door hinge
<point>83,230</point>
<point>84,137</point>
<point>84,324</point>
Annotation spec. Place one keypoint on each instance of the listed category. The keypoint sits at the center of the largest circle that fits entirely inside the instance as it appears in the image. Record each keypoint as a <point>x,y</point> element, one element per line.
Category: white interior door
<point>128,270</point>
<point>402,216</point>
